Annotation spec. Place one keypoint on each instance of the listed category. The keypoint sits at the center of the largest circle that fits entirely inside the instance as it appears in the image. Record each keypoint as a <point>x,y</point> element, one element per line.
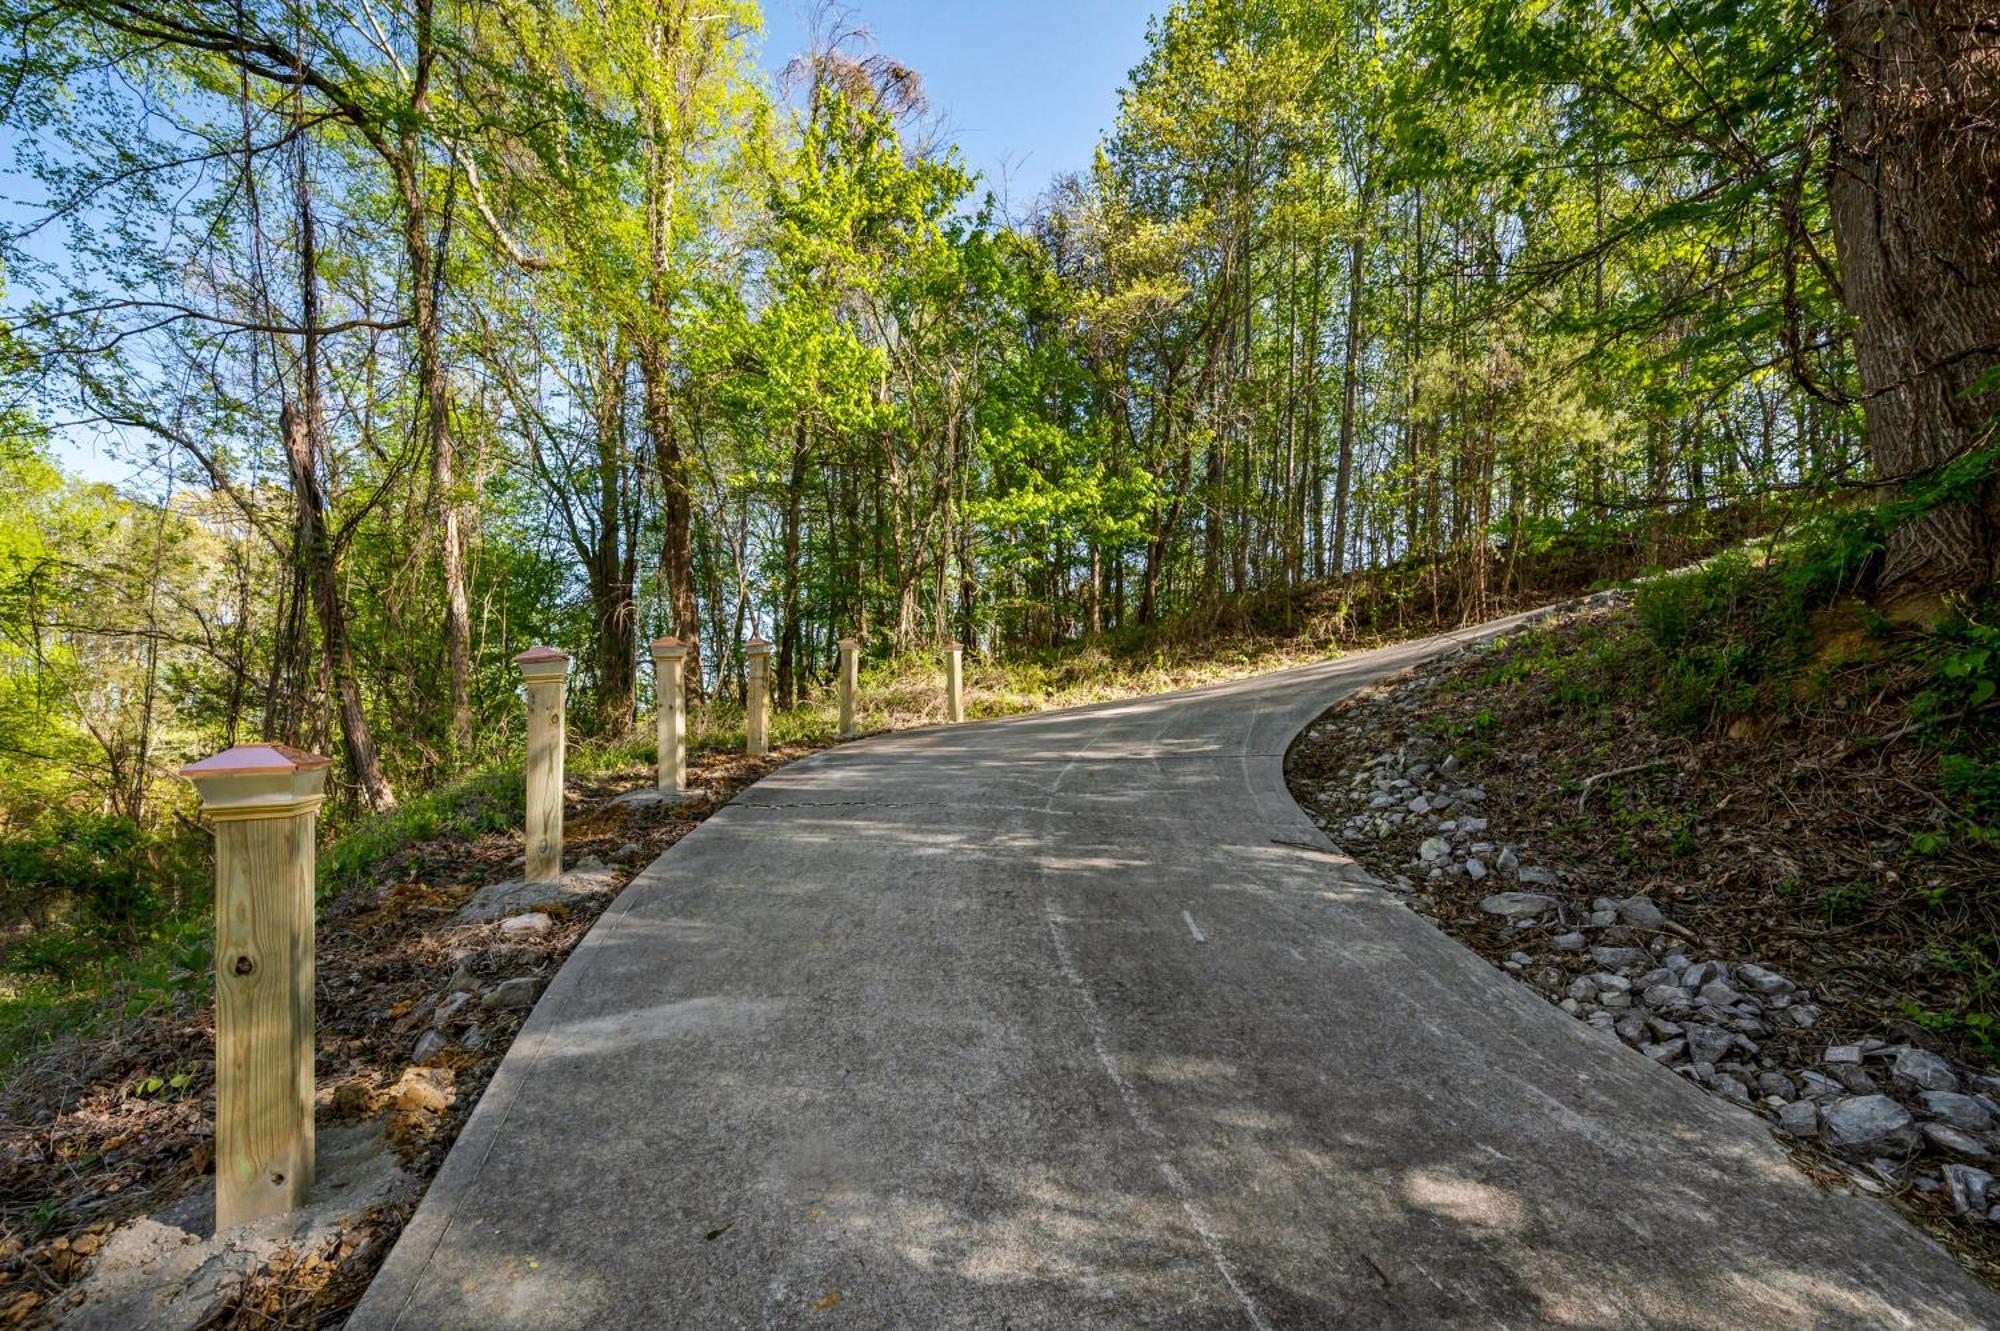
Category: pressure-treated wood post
<point>264,801</point>
<point>544,671</point>
<point>954,682</point>
<point>669,660</point>
<point>850,679</point>
<point>757,706</point>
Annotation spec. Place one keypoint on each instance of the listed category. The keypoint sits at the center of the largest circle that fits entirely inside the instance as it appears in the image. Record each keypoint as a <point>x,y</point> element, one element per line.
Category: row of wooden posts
<point>264,800</point>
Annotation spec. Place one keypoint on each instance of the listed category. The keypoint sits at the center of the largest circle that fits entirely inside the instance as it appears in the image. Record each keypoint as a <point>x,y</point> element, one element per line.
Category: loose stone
<point>1641,912</point>
<point>534,922</point>
<point>1719,994</point>
<point>1947,1138</point>
<point>1856,1079</point>
<point>1961,1111</point>
<point>1969,1188</point>
<point>1752,976</point>
<point>1799,1119</point>
<point>1867,1123</point>
<point>1703,972</point>
<point>1923,1069</point>
<point>1706,1043</point>
<point>1517,905</point>
<point>513,994</point>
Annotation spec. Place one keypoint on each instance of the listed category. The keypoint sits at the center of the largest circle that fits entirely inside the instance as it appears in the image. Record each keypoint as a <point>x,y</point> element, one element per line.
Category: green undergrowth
<point>492,799</point>
<point>113,923</point>
<point>1767,660</point>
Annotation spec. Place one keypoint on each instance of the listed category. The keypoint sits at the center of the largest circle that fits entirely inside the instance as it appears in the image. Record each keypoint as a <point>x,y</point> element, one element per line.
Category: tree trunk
<point>301,425</point>
<point>1350,379</point>
<point>426,270</point>
<point>611,563</point>
<point>1915,195</point>
<point>677,506</point>
<point>788,632</point>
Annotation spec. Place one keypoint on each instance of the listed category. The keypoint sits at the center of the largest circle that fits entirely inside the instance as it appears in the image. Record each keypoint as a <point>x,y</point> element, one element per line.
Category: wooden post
<point>954,682</point>
<point>544,670</point>
<point>757,706</point>
<point>850,679</point>
<point>264,802</point>
<point>669,660</point>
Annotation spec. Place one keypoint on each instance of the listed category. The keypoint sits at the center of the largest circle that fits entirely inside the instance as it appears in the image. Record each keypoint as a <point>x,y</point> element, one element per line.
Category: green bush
<point>486,801</point>
<point>86,883</point>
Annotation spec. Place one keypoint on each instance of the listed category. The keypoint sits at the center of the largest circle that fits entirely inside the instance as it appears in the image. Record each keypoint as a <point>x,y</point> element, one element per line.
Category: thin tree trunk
<point>1350,379</point>
<point>300,425</point>
<point>426,279</point>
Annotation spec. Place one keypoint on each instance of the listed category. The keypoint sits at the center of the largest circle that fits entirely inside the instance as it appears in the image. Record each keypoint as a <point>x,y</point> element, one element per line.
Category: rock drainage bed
<point>1884,1113</point>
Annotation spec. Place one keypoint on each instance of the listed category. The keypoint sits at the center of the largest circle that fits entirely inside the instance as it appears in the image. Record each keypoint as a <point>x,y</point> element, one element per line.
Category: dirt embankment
<point>1771,906</point>
<point>426,970</point>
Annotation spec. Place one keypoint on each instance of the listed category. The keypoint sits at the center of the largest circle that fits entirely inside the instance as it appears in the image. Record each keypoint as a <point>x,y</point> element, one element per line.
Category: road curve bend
<point>1075,1020</point>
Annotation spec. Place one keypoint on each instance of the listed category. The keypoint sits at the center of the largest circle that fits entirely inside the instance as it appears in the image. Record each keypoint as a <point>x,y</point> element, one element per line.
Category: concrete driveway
<point>1074,1020</point>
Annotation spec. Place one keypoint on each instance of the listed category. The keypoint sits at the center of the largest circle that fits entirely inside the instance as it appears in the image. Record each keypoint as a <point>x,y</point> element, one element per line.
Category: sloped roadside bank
<point>425,973</point>
<point>1740,900</point>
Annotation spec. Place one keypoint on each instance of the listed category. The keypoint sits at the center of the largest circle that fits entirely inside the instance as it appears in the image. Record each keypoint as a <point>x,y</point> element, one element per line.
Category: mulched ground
<point>1785,837</point>
<point>97,1131</point>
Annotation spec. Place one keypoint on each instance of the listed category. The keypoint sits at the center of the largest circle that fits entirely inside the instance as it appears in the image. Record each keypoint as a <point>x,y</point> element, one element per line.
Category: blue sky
<point>1028,87</point>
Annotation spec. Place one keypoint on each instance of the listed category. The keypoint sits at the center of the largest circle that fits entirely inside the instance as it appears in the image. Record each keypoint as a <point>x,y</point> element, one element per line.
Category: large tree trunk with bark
<point>1915,193</point>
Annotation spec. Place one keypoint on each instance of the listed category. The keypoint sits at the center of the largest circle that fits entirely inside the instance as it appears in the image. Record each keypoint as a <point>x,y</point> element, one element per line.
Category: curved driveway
<point>1075,1020</point>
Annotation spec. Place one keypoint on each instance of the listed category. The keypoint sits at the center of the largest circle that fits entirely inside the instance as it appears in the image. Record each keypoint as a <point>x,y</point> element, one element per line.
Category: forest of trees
<point>443,328</point>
